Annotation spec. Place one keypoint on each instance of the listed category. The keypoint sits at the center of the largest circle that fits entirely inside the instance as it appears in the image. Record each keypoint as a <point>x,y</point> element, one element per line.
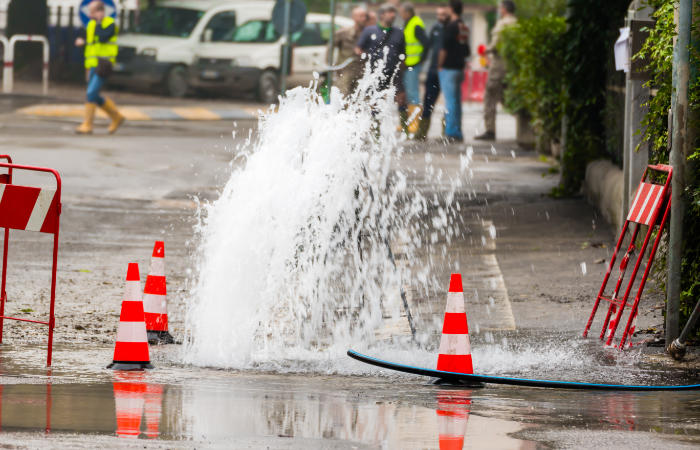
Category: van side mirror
<point>206,36</point>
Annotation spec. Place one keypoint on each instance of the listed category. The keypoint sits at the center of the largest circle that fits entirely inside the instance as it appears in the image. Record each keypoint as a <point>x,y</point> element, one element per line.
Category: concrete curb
<point>603,188</point>
<point>145,113</point>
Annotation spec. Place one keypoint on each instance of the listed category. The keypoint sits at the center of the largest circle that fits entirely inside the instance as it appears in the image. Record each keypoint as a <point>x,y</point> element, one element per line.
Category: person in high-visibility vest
<point>101,50</point>
<point>417,42</point>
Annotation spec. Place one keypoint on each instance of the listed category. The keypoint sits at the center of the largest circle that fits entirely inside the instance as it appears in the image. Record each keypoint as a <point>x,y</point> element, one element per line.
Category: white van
<point>218,45</point>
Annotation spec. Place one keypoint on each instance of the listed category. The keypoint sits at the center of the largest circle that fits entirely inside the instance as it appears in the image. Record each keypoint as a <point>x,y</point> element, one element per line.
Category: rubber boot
<point>414,112</point>
<point>117,119</point>
<point>86,126</point>
<point>423,128</point>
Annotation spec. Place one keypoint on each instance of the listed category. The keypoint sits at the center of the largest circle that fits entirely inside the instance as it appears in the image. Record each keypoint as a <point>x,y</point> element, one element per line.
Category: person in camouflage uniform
<point>495,85</point>
<point>345,41</point>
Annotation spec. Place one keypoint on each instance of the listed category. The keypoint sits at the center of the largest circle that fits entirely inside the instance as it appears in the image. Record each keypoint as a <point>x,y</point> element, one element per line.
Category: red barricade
<point>650,208</point>
<point>474,85</point>
<point>30,209</point>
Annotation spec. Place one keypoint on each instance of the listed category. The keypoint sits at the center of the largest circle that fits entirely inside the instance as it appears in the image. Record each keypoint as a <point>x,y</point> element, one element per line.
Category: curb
<point>603,188</point>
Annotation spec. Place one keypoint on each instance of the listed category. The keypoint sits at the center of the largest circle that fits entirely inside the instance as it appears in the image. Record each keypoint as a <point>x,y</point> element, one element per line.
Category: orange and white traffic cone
<point>131,349</point>
<point>154,402</point>
<point>452,413</point>
<point>455,350</point>
<point>128,403</point>
<point>155,300</point>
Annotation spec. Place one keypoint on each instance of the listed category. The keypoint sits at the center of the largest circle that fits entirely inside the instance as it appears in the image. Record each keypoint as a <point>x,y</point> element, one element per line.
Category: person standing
<point>495,84</point>
<point>432,83</point>
<point>451,62</point>
<point>416,44</point>
<point>101,50</point>
<point>345,40</point>
<point>384,45</point>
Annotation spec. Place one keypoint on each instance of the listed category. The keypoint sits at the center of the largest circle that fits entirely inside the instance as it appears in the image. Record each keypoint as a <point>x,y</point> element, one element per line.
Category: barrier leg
<point>642,252</point>
<point>635,305</point>
<point>53,299</point>
<point>3,293</point>
<point>612,309</point>
<point>605,279</point>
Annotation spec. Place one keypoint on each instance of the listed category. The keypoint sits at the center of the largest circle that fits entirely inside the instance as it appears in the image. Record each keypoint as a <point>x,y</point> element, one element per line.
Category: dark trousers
<point>432,91</point>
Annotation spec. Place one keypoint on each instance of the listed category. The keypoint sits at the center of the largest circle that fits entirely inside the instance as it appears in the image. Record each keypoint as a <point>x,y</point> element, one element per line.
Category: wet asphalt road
<point>123,192</point>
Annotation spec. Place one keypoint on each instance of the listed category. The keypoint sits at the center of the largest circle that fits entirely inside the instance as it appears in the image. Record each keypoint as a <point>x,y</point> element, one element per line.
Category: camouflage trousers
<point>492,96</point>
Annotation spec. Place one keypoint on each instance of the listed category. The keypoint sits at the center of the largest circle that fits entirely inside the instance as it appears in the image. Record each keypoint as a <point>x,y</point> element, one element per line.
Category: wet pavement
<point>179,407</point>
<point>119,197</point>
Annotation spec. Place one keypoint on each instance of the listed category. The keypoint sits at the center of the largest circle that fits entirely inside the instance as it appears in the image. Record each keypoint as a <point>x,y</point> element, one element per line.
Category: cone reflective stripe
<point>155,293</point>
<point>131,349</point>
<point>455,350</point>
<point>154,401</point>
<point>128,403</point>
<point>452,413</point>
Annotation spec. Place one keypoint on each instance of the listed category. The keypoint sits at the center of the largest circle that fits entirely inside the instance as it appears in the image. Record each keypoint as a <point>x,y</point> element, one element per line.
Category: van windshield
<point>164,21</point>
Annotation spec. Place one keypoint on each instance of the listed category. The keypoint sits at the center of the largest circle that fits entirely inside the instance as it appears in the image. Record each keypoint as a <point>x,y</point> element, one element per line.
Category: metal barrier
<point>8,71</point>
<point>651,208</point>
<point>31,209</point>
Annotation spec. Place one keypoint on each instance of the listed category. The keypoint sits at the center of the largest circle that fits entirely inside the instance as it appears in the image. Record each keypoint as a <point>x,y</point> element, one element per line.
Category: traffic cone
<point>128,405</point>
<point>154,402</point>
<point>131,349</point>
<point>452,413</point>
<point>155,300</point>
<point>455,351</point>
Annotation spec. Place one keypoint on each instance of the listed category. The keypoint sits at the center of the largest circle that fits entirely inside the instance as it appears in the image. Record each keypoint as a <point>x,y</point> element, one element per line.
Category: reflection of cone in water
<point>455,351</point>
<point>128,403</point>
<point>452,413</point>
<point>154,401</point>
<point>155,303</point>
<point>131,349</point>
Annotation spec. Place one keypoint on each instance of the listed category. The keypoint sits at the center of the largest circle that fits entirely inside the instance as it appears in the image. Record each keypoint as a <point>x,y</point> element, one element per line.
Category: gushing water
<point>294,261</point>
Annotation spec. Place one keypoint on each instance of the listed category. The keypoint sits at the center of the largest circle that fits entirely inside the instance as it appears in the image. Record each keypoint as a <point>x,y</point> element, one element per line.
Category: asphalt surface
<point>533,283</point>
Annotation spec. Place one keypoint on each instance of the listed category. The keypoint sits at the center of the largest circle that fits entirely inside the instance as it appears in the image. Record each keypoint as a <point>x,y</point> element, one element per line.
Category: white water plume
<point>293,259</point>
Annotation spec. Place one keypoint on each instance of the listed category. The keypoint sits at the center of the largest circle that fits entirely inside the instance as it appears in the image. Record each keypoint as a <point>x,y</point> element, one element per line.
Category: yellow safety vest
<point>414,49</point>
<point>95,49</point>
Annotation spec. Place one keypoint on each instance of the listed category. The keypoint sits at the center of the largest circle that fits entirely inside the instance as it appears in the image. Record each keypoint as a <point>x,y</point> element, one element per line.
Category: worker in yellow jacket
<point>101,50</point>
<point>417,42</point>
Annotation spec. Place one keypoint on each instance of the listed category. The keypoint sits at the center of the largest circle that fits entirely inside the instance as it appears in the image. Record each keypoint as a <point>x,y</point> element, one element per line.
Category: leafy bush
<point>534,54</point>
<point>659,51</point>
<point>592,28</point>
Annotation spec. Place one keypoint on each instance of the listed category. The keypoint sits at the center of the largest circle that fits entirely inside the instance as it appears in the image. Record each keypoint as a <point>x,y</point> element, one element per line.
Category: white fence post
<point>8,72</point>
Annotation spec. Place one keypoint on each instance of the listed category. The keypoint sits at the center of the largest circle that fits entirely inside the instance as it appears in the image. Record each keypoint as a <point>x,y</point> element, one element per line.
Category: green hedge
<point>659,51</point>
<point>534,54</point>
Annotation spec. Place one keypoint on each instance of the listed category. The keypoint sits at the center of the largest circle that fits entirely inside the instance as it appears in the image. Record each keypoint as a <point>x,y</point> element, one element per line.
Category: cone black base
<point>130,365</point>
<point>460,383</point>
<point>159,337</point>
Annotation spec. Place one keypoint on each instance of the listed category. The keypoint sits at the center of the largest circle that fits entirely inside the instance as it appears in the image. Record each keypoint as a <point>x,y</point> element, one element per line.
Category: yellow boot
<point>86,126</point>
<point>117,119</point>
<point>414,113</point>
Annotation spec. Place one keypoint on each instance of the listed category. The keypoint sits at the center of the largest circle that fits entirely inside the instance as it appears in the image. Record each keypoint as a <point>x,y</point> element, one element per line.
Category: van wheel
<point>176,82</point>
<point>268,87</point>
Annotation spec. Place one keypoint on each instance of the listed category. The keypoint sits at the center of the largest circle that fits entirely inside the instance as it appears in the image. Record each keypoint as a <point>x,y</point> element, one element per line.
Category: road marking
<point>146,113</point>
<point>196,114</point>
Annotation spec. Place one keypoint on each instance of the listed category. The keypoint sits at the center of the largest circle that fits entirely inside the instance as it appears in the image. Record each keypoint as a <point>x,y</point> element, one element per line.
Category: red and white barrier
<point>8,71</point>
<point>29,209</point>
